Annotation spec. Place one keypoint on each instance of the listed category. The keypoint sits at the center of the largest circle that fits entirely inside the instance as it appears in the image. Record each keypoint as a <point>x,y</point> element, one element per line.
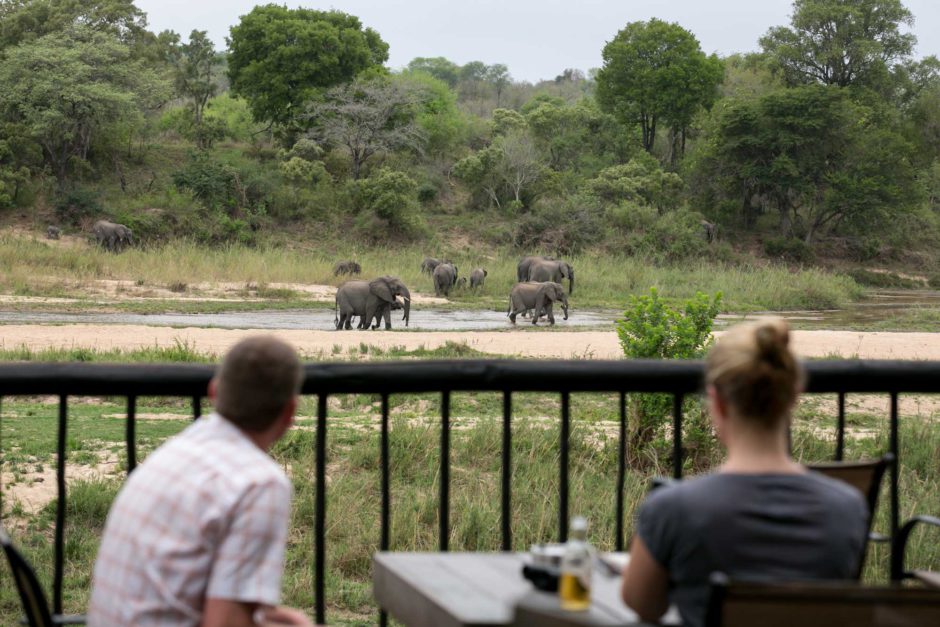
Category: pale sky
<point>537,39</point>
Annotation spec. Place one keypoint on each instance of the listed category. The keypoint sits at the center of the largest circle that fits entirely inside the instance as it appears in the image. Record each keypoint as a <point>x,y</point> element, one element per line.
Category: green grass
<point>602,281</point>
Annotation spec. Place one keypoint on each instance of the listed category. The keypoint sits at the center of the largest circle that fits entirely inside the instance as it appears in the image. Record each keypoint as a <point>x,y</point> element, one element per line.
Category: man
<point>197,534</point>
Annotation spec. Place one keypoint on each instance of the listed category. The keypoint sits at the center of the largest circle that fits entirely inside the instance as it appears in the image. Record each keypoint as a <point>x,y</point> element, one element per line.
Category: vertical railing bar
<point>445,471</point>
<point>197,407</point>
<point>840,429</point>
<point>386,514</point>
<point>895,464</point>
<point>563,467</point>
<point>621,471</point>
<point>386,491</point>
<point>130,433</point>
<point>507,472</point>
<point>60,508</point>
<point>677,436</point>
<point>1,457</point>
<point>320,514</point>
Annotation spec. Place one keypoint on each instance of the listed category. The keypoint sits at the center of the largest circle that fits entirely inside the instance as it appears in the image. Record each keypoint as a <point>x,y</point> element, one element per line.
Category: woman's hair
<point>752,370</point>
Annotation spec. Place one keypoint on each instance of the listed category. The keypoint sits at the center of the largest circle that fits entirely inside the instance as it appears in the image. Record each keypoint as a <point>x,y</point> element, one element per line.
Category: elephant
<point>380,313</point>
<point>53,232</point>
<point>552,270</point>
<point>710,231</point>
<point>347,267</point>
<point>428,265</point>
<point>111,235</point>
<point>461,283</point>
<point>370,300</point>
<point>477,277</point>
<point>522,270</point>
<point>445,277</point>
<point>538,297</point>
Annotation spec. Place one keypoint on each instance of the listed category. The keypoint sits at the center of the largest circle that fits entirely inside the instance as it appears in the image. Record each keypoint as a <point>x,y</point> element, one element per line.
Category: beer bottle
<point>574,587</point>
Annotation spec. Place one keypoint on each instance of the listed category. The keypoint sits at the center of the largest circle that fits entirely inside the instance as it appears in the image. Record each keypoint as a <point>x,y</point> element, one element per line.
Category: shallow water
<point>879,306</point>
<point>321,319</point>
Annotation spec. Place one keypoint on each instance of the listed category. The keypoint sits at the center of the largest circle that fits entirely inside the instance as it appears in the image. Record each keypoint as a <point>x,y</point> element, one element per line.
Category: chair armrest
<point>900,544</point>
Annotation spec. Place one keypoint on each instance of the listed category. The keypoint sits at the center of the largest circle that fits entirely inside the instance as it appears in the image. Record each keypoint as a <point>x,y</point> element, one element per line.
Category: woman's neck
<point>757,451</point>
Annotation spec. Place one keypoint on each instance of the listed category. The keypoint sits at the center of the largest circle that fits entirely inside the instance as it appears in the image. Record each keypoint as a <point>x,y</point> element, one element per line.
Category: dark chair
<point>864,476</point>
<point>819,604</point>
<point>929,578</point>
<point>31,596</point>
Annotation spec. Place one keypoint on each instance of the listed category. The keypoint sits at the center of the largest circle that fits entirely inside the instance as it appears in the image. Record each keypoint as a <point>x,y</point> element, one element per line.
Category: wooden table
<point>483,589</point>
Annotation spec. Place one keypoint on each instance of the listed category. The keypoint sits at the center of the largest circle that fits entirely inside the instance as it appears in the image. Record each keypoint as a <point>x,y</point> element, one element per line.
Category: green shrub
<point>653,329</point>
<point>673,236</point>
<point>300,170</point>
<point>789,249</point>
<point>76,205</point>
<point>427,193</point>
<point>211,182</point>
<point>564,227</point>
<point>391,207</point>
<point>883,279</point>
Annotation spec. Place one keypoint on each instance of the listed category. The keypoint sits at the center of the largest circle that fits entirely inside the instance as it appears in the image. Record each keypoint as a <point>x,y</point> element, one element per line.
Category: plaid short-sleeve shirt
<point>205,515</point>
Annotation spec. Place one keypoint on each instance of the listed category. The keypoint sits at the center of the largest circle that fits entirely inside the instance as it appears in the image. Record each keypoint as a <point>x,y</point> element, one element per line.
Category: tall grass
<point>35,267</point>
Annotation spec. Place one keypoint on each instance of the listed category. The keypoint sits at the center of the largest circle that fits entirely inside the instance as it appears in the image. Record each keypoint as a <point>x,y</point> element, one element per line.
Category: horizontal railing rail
<point>678,378</point>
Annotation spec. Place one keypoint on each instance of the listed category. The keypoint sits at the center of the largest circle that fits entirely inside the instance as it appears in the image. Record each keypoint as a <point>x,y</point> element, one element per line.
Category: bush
<point>211,182</point>
<point>300,170</point>
<point>883,279</point>
<point>652,329</point>
<point>390,202</point>
<point>427,193</point>
<point>77,205</point>
<point>789,249</point>
<point>564,227</point>
<point>674,236</point>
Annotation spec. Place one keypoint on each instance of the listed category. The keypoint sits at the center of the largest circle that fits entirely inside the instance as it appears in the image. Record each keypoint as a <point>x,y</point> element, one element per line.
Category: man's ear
<point>213,384</point>
<point>717,410</point>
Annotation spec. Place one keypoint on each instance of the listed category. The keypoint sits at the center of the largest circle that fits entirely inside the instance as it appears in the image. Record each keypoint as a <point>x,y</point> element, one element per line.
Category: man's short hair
<point>255,381</point>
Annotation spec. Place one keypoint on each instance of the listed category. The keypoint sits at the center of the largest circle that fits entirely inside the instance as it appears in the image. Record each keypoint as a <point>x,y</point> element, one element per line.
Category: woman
<point>761,515</point>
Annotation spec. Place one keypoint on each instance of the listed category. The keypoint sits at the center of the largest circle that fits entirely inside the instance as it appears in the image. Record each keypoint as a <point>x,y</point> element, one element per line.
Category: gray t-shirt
<point>751,526</point>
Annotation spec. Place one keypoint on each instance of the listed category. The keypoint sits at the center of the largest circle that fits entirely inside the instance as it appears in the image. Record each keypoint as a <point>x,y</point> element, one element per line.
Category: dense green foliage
<point>824,146</point>
<point>280,57</point>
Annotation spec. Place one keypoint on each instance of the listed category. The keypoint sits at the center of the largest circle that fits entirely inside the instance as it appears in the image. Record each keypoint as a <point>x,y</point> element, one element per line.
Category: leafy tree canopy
<point>440,68</point>
<point>279,58</point>
<point>839,42</point>
<point>656,71</point>
<point>27,20</point>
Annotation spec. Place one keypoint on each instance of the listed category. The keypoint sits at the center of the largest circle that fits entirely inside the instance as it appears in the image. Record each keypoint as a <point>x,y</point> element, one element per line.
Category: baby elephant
<point>538,297</point>
<point>53,232</point>
<point>347,267</point>
<point>461,283</point>
<point>477,277</point>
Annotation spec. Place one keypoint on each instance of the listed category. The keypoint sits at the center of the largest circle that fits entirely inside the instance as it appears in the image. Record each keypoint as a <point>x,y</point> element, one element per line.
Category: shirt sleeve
<point>249,563</point>
<point>656,524</point>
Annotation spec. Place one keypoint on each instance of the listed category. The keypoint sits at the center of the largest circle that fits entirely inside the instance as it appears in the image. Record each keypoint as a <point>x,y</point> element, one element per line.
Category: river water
<point>877,307</point>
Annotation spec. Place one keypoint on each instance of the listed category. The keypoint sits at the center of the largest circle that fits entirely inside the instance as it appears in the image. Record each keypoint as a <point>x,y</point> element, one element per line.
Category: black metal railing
<point>677,378</point>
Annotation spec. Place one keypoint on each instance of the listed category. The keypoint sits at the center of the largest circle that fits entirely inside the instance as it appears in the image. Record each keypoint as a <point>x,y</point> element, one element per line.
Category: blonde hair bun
<point>773,341</point>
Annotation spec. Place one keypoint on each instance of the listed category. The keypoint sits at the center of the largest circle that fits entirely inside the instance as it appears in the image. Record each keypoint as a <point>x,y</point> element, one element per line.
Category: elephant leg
<point>387,314</point>
<point>551,316</point>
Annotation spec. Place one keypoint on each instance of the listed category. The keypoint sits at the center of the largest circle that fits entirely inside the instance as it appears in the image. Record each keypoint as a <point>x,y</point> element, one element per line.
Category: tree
<point>655,71</point>
<point>839,42</point>
<point>497,75</point>
<point>23,21</point>
<point>440,68</point>
<point>814,156</point>
<point>194,81</point>
<point>66,90</point>
<point>367,117</point>
<point>280,58</point>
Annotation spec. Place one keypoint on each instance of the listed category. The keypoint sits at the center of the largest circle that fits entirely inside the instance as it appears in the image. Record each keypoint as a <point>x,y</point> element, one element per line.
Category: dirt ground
<point>556,344</point>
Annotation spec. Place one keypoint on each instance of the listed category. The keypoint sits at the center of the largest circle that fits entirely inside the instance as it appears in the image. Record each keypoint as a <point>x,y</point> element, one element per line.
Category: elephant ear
<point>380,289</point>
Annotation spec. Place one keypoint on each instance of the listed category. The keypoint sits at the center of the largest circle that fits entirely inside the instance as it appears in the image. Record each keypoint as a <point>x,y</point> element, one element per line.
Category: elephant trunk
<point>564,306</point>
<point>406,297</point>
<point>570,280</point>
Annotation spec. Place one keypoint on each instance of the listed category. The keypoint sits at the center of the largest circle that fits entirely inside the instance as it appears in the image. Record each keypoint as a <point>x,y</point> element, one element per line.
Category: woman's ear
<point>718,410</point>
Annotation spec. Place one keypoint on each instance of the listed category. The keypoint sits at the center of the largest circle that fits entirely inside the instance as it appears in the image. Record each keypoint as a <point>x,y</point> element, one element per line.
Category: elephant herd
<point>538,288</point>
